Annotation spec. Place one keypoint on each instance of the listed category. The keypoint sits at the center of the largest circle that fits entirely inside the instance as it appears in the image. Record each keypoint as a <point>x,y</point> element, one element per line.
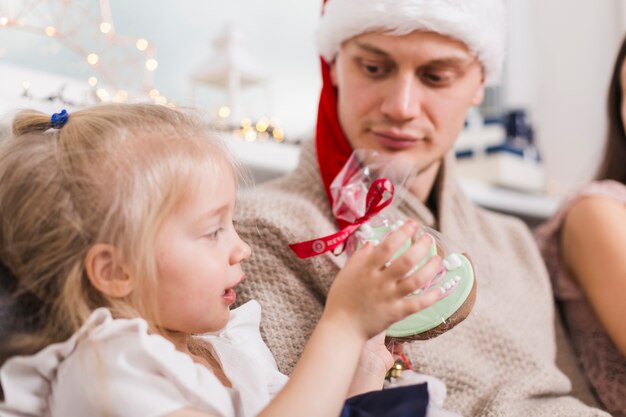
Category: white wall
<point>561,56</point>
<point>279,35</point>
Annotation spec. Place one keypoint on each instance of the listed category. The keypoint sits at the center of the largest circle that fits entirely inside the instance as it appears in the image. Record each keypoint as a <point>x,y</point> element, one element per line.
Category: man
<point>399,77</point>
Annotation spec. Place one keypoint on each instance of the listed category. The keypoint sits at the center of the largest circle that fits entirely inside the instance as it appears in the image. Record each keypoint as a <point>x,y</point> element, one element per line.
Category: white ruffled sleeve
<point>114,368</point>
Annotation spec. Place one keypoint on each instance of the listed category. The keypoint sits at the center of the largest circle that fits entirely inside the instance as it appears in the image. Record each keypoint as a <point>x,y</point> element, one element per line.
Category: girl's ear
<point>106,273</point>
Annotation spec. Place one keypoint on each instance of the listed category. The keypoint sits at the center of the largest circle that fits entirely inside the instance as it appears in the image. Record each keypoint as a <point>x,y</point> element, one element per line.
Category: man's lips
<point>393,139</point>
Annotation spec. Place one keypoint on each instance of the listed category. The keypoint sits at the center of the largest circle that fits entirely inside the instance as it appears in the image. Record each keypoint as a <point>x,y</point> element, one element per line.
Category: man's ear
<point>106,273</point>
<point>479,95</point>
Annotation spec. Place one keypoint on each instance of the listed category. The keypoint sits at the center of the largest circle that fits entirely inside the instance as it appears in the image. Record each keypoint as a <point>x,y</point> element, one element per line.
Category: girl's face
<point>198,259</point>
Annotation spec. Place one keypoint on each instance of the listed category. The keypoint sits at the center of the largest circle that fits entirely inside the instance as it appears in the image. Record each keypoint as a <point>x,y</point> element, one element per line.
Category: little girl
<point>118,221</point>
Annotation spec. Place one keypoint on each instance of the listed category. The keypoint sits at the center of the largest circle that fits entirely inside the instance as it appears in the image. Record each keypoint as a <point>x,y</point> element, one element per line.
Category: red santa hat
<point>479,24</point>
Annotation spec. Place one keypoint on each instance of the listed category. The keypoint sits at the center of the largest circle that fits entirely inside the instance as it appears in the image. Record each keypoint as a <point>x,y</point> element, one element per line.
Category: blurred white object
<point>505,170</point>
<point>479,136</point>
<point>232,67</point>
<point>436,391</point>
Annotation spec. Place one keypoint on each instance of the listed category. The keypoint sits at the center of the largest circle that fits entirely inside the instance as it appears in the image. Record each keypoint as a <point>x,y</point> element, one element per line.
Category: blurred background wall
<point>560,56</point>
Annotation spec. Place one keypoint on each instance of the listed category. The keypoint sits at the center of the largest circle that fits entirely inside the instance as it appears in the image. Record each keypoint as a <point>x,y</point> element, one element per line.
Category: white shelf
<point>268,157</point>
<point>536,206</point>
<point>41,85</point>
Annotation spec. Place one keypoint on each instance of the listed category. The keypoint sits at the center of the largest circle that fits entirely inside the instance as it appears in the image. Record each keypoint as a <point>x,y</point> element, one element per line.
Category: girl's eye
<point>214,234</point>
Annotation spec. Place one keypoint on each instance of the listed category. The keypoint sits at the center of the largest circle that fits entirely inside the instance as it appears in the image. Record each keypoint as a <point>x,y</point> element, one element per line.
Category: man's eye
<point>433,78</point>
<point>437,78</point>
<point>374,69</point>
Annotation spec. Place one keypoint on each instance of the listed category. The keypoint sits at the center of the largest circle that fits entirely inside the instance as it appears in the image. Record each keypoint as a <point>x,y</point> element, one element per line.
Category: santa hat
<point>479,24</point>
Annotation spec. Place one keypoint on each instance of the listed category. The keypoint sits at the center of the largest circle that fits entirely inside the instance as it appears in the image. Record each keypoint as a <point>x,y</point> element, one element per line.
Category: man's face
<point>406,95</point>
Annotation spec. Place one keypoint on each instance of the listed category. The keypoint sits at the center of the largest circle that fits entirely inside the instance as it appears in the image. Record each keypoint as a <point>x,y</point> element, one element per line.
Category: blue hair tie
<point>58,120</point>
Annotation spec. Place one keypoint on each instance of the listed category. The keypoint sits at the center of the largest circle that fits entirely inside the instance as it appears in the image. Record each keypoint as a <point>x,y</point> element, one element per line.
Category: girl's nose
<point>242,251</point>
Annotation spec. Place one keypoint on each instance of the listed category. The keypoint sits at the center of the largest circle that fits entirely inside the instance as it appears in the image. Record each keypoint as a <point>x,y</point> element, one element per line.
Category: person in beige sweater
<point>398,78</point>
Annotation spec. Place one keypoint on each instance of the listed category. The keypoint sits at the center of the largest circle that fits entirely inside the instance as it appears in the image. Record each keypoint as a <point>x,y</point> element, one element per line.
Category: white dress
<point>113,367</point>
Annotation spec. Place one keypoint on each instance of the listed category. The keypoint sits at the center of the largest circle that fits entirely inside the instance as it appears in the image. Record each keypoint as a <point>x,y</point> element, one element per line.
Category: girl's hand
<point>369,293</point>
<point>374,362</point>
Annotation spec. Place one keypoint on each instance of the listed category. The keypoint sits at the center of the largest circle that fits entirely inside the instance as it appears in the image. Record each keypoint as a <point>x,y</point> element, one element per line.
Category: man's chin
<point>428,166</point>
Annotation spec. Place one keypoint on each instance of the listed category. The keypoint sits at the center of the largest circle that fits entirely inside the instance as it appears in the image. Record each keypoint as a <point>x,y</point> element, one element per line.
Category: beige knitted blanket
<point>499,362</point>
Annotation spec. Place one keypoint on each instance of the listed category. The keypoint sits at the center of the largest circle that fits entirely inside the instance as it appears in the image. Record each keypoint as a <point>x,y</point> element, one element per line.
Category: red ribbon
<point>378,197</point>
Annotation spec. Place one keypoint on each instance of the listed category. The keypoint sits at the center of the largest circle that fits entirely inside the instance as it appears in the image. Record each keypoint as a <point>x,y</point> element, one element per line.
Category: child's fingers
<point>411,257</point>
<point>417,303</point>
<point>420,277</point>
<point>363,254</point>
<point>392,243</point>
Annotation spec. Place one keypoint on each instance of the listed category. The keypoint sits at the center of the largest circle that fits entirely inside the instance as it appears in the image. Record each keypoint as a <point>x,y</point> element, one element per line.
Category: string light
<point>279,134</point>
<point>102,94</point>
<point>93,59</point>
<point>249,131</point>
<point>223,112</point>
<point>120,96</point>
<point>262,124</point>
<point>89,32</point>
<point>105,27</point>
<point>151,64</point>
<point>154,93</point>
<point>141,44</point>
<point>93,81</point>
<point>249,135</point>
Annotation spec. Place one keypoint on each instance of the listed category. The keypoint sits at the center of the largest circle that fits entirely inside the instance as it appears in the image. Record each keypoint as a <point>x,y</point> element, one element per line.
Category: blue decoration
<point>58,120</point>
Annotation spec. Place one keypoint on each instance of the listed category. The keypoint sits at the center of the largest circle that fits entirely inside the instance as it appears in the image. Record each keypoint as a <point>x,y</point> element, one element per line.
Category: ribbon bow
<point>378,197</point>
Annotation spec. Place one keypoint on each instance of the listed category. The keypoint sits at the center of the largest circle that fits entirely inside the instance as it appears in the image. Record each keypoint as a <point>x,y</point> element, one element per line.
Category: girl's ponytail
<point>30,121</point>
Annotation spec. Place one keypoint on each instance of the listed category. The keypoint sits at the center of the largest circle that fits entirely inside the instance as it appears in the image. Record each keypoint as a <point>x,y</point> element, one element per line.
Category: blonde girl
<point>117,221</point>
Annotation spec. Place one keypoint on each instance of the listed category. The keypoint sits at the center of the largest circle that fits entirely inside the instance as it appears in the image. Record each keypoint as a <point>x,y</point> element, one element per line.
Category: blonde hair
<point>112,174</point>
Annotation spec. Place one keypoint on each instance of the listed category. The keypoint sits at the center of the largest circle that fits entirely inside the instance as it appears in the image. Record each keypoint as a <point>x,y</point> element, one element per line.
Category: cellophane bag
<point>455,281</point>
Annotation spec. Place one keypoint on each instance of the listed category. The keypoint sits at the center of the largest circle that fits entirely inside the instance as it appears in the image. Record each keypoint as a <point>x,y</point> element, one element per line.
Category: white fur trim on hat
<point>480,24</point>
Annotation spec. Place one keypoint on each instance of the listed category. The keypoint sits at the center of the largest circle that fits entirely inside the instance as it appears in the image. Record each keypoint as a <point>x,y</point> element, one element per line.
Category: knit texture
<point>498,362</point>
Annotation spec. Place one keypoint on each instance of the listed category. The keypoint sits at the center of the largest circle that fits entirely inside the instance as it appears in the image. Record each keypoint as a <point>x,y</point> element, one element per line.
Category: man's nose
<point>403,98</point>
